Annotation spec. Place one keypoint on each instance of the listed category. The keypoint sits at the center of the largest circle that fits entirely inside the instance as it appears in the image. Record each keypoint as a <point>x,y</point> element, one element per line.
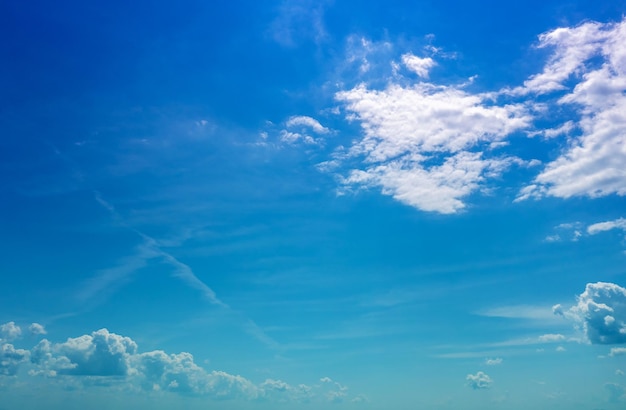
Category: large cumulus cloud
<point>600,312</point>
<point>107,357</point>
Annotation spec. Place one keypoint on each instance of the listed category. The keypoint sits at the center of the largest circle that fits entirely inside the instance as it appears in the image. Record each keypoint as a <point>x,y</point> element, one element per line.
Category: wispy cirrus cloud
<point>298,21</point>
<point>596,228</point>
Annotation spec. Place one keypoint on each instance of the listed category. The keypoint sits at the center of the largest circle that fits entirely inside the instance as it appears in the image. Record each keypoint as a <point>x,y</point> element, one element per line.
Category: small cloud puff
<point>600,313</point>
<point>10,331</point>
<point>36,329</point>
<point>479,381</point>
<point>309,122</point>
<point>551,338</point>
<point>419,66</point>
<point>493,362</point>
<point>618,351</point>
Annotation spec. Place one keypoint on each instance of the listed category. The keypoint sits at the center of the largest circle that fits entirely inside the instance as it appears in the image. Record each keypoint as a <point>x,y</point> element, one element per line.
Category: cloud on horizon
<point>112,358</point>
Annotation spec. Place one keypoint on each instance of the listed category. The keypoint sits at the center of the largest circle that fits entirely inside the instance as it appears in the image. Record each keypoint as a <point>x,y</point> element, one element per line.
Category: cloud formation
<point>607,226</point>
<point>600,313</point>
<point>479,381</point>
<point>10,331</point>
<point>419,142</point>
<point>431,146</point>
<point>11,358</point>
<point>107,357</point>
<point>37,329</point>
<point>420,66</point>
<point>594,55</point>
<point>493,362</point>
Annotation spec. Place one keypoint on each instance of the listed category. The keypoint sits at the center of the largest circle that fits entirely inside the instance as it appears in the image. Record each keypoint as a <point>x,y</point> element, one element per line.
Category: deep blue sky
<point>288,204</point>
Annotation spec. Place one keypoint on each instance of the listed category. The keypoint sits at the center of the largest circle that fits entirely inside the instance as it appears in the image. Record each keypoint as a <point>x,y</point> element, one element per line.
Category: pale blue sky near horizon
<point>313,204</point>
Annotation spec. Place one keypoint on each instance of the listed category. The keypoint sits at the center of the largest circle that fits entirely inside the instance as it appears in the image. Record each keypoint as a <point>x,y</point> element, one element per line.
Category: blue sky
<point>312,205</point>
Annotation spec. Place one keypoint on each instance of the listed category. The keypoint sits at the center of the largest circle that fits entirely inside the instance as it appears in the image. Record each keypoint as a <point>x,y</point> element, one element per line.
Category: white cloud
<point>553,238</point>
<point>414,136</point>
<point>37,329</point>
<point>419,142</point>
<point>420,66</point>
<point>619,372</point>
<point>560,349</point>
<point>278,385</point>
<point>10,331</point>
<point>158,370</point>
<point>426,118</point>
<point>600,313</point>
<point>11,358</point>
<point>309,122</point>
<point>493,362</point>
<point>282,391</point>
<point>99,354</point>
<point>607,226</point>
<point>438,188</point>
<point>479,381</point>
<point>107,357</point>
<point>527,312</point>
<point>592,165</point>
<point>551,338</point>
<point>617,351</point>
<point>294,137</point>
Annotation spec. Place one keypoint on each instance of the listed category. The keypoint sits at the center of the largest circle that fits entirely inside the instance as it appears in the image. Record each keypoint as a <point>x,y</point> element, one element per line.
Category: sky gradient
<point>313,205</point>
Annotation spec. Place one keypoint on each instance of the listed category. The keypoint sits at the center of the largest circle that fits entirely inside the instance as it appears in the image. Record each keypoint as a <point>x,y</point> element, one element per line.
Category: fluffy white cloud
<point>607,226</point>
<point>37,329</point>
<point>419,142</point>
<point>593,163</point>
<point>294,137</point>
<point>426,118</point>
<point>600,313</point>
<point>10,331</point>
<point>309,122</point>
<point>493,362</point>
<point>420,66</point>
<point>105,357</point>
<point>11,358</point>
<point>99,354</point>
<point>430,146</point>
<point>479,381</point>
<point>299,129</point>
<point>617,351</point>
<point>227,386</point>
